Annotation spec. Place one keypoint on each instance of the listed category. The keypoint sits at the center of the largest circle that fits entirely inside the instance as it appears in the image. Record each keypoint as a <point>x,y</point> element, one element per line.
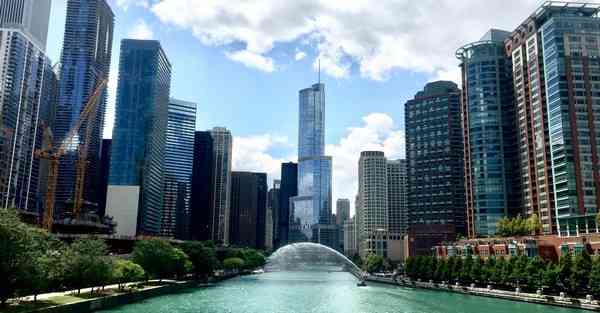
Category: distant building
<point>179,160</point>
<point>105,151</point>
<point>491,146</point>
<point>202,202</point>
<point>397,199</point>
<point>350,242</point>
<point>434,157</point>
<point>222,145</point>
<point>269,229</point>
<point>140,131</point>
<point>342,211</point>
<point>29,16</point>
<point>85,61</point>
<point>273,207</point>
<point>288,189</point>
<point>248,209</point>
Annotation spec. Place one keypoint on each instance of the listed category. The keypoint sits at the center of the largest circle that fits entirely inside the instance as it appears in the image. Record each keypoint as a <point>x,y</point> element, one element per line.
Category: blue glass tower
<point>140,132</point>
<point>310,214</point>
<point>85,61</point>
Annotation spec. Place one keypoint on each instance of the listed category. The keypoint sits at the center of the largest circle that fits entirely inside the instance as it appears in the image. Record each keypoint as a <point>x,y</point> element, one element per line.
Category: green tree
<point>478,271</point>
<point>534,272</point>
<point>253,258</point>
<point>551,276</point>
<point>533,224</point>
<point>441,271</point>
<point>580,273</point>
<point>465,273</point>
<point>203,257</point>
<point>565,269</point>
<point>233,263</point>
<point>518,274</point>
<point>180,263</point>
<point>595,278</point>
<point>157,257</point>
<point>373,263</point>
<point>87,263</point>
<point>126,271</point>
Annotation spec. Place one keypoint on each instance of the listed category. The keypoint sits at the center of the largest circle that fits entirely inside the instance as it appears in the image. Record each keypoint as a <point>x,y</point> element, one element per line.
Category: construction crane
<point>88,114</point>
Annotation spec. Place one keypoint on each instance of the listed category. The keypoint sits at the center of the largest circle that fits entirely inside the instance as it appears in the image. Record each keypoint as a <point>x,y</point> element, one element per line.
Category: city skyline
<point>374,117</point>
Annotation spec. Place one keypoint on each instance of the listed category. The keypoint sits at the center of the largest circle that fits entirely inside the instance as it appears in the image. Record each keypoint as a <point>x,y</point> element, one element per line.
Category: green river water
<point>321,292</point>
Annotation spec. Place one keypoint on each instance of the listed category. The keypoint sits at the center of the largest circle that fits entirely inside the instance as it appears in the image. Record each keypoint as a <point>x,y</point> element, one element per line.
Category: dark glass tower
<point>85,61</point>
<point>248,209</point>
<point>202,202</point>
<point>140,132</point>
<point>103,177</point>
<point>434,153</point>
<point>289,189</point>
<point>490,134</point>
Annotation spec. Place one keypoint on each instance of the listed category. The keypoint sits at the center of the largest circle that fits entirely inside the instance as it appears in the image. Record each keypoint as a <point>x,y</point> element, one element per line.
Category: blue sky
<point>244,62</point>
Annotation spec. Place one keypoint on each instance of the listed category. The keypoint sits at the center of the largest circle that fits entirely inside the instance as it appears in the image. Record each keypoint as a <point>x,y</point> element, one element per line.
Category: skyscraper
<point>397,200</point>
<point>248,209</point>
<point>85,62</point>
<point>25,84</point>
<point>434,156</point>
<point>288,190</point>
<point>490,134</point>
<point>202,202</point>
<point>29,16</point>
<point>310,214</point>
<point>222,144</point>
<point>373,194</point>
<point>179,160</point>
<point>103,177</point>
<point>274,207</point>
<point>342,211</point>
<point>140,131</point>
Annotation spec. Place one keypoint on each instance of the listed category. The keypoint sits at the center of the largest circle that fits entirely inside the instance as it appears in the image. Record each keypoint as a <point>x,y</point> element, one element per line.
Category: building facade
<point>273,207</point>
<point>140,131</point>
<point>490,134</point>
<point>179,161</point>
<point>105,152</point>
<point>342,211</point>
<point>350,243</point>
<point>310,212</point>
<point>222,145</point>
<point>248,209</point>
<point>202,202</point>
<point>288,190</point>
<point>397,200</point>
<point>32,17</point>
<point>85,62</point>
<point>434,156</point>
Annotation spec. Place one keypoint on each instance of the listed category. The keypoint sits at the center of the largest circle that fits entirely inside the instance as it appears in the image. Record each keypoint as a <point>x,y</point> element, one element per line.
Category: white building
<point>122,203</point>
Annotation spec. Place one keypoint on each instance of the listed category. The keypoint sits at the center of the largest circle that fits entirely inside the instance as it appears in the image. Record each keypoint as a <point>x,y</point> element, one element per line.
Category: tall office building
<point>490,138</point>
<point>202,202</point>
<point>85,61</point>
<point>26,80</point>
<point>222,144</point>
<point>179,160</point>
<point>248,209</point>
<point>288,190</point>
<point>138,153</point>
<point>30,16</point>
<point>274,207</point>
<point>310,212</point>
<point>434,156</point>
<point>350,245</point>
<point>397,199</point>
<point>105,151</point>
<point>373,194</point>
<point>342,211</point>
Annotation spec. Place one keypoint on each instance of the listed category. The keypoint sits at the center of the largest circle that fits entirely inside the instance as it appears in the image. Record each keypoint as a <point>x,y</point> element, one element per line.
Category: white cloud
<point>419,36</point>
<point>251,153</point>
<point>300,55</point>
<point>253,60</point>
<point>125,4</point>
<point>378,132</point>
<point>141,30</point>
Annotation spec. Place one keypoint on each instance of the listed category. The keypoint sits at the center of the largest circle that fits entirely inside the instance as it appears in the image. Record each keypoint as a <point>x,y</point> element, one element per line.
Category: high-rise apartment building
<point>434,156</point>
<point>202,202</point>
<point>310,213</point>
<point>288,190</point>
<point>85,62</point>
<point>222,145</point>
<point>490,134</point>
<point>248,209</point>
<point>30,16</point>
<point>273,207</point>
<point>342,211</point>
<point>373,194</point>
<point>397,199</point>
<point>105,151</point>
<point>350,245</point>
<point>140,131</point>
<point>179,160</point>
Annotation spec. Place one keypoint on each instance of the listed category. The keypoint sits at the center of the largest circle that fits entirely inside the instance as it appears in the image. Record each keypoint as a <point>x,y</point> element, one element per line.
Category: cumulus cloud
<point>252,153</point>
<point>253,60</point>
<point>141,30</point>
<point>125,4</point>
<point>419,36</point>
<point>300,55</point>
<point>377,132</point>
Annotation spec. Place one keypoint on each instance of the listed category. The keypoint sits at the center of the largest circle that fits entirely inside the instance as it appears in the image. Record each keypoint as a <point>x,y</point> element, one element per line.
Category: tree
<point>157,257</point>
<point>551,276</point>
<point>87,263</point>
<point>126,271</point>
<point>180,263</point>
<point>565,266</point>
<point>203,257</point>
<point>595,278</point>
<point>465,273</point>
<point>517,273</point>
<point>252,258</point>
<point>373,263</point>
<point>534,273</point>
<point>477,271</point>
<point>233,263</point>
<point>580,272</point>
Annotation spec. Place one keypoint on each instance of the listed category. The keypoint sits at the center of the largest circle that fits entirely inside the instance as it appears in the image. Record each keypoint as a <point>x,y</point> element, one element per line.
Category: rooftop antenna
<point>319,60</point>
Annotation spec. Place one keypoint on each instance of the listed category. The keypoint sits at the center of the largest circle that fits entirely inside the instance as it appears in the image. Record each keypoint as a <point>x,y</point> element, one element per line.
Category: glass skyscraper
<point>30,16</point>
<point>140,131</point>
<point>85,61</point>
<point>222,145</point>
<point>202,203</point>
<point>179,160</point>
<point>310,213</point>
<point>489,125</point>
<point>289,189</point>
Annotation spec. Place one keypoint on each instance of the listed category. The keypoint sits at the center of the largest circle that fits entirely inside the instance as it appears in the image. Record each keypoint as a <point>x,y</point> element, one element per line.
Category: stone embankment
<point>562,301</point>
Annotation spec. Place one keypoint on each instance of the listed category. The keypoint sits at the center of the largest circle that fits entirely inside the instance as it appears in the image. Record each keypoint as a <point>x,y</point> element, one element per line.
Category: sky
<point>243,63</point>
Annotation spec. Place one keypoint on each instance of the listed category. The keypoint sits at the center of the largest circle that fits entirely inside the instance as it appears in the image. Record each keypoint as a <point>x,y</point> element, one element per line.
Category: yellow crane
<point>87,116</point>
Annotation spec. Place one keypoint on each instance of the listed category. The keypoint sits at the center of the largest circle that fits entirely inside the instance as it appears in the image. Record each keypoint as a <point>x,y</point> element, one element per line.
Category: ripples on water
<point>321,292</point>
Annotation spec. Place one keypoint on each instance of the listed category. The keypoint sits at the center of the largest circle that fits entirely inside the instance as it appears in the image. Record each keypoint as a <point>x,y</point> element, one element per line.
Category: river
<point>321,292</point>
